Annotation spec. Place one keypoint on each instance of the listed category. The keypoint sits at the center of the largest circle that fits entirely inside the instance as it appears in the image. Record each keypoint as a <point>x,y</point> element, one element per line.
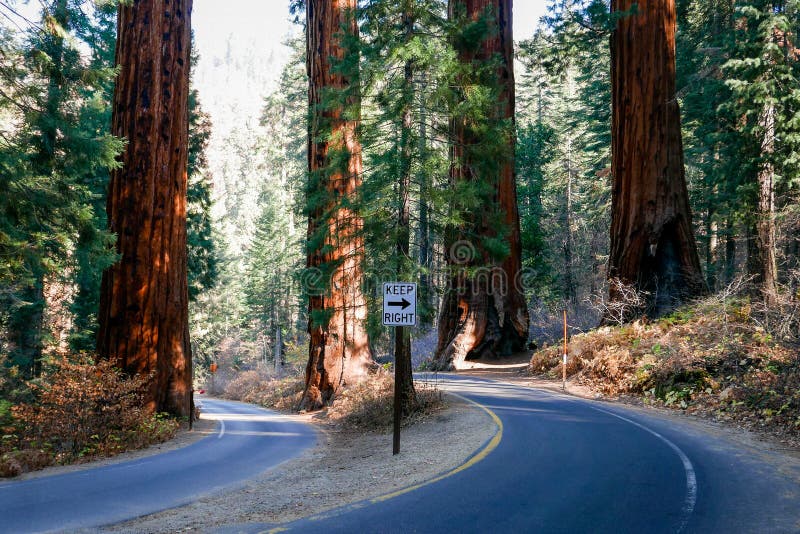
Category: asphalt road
<point>248,440</point>
<point>570,465</point>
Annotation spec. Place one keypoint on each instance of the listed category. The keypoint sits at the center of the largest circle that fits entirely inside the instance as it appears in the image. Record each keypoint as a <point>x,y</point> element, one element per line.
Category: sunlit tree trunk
<point>338,347</point>
<point>761,263</point>
<point>484,317</point>
<point>143,319</point>
<point>652,242</point>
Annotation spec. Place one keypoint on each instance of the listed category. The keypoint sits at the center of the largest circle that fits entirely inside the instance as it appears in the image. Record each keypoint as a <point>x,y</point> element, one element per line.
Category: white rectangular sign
<point>399,304</point>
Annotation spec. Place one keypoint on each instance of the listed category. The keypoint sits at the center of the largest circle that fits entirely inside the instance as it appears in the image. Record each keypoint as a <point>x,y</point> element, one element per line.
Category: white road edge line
<point>221,428</point>
<point>691,478</point>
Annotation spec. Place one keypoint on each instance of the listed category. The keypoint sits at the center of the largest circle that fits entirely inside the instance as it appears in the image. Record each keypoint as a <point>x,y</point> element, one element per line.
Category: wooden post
<point>399,380</point>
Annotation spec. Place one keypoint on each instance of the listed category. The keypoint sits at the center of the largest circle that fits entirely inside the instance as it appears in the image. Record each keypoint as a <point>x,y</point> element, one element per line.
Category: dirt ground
<point>344,467</point>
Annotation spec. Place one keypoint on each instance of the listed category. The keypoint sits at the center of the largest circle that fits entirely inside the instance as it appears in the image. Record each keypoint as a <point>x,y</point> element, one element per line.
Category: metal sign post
<point>399,310</point>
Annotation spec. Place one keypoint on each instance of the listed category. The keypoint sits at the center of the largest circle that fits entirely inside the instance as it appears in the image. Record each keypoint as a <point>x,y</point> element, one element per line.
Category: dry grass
<point>714,358</point>
<point>264,389</point>
<point>367,406</point>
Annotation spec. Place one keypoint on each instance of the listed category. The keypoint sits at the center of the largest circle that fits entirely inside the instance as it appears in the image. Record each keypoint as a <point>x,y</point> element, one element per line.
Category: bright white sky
<point>260,28</point>
<point>267,22</point>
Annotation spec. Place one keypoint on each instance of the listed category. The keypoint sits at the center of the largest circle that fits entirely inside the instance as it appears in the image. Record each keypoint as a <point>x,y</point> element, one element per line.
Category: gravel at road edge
<point>344,467</point>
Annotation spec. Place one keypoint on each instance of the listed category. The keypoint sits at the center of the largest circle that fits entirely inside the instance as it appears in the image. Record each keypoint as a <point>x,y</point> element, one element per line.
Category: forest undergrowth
<point>75,412</point>
<point>727,357</point>
<point>366,406</point>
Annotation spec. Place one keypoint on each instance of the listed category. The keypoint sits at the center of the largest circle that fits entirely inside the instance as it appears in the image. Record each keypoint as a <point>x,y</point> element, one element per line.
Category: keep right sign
<point>399,304</point>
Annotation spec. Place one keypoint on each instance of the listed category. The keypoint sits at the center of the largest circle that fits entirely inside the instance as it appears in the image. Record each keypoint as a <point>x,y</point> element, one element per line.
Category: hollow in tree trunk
<point>484,316</point>
<point>143,319</point>
<point>653,247</point>
<point>338,345</point>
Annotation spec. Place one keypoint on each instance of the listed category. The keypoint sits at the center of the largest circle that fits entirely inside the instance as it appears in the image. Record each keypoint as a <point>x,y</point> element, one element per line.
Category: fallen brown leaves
<point>715,359</point>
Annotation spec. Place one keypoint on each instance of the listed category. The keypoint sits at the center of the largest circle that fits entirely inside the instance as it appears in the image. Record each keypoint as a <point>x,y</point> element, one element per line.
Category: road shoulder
<point>344,468</point>
<point>782,455</point>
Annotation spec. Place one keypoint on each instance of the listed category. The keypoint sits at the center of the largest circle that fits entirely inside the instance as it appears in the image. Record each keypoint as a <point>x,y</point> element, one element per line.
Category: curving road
<point>558,464</point>
<point>248,440</point>
<point>570,465</point>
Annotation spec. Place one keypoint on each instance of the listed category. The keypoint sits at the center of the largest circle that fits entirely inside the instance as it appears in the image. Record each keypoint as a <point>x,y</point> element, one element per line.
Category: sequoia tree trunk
<point>485,315</point>
<point>338,345</point>
<point>653,247</point>
<point>143,319</point>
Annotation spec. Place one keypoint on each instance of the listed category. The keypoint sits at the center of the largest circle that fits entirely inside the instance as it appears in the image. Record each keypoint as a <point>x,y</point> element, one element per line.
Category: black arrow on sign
<point>404,303</point>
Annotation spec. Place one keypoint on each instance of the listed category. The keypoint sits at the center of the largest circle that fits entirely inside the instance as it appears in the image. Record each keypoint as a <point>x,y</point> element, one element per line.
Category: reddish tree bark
<point>338,347</point>
<point>652,242</point>
<point>144,325</point>
<point>485,315</point>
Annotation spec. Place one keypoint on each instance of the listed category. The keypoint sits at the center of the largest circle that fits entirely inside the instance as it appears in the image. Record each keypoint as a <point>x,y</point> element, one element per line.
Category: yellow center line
<point>474,459</point>
<point>492,445</point>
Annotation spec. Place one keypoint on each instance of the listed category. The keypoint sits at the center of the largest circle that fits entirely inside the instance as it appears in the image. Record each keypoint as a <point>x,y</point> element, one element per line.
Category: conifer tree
<point>763,76</point>
<point>93,250</point>
<point>143,316</point>
<point>275,254</point>
<point>652,240</point>
<point>405,71</point>
<point>53,158</point>
<point>405,81</point>
<point>202,260</point>
<point>484,315</point>
<point>566,96</point>
<point>339,350</point>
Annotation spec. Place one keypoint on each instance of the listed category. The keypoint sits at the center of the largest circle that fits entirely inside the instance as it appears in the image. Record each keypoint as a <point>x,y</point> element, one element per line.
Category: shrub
<point>15,463</point>
<point>369,405</point>
<point>81,410</point>
<point>243,385</point>
<point>258,387</point>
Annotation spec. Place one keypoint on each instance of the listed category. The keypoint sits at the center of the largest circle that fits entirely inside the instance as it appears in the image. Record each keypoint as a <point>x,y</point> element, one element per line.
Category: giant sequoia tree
<point>143,316</point>
<point>652,243</point>
<point>484,313</point>
<point>338,346</point>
